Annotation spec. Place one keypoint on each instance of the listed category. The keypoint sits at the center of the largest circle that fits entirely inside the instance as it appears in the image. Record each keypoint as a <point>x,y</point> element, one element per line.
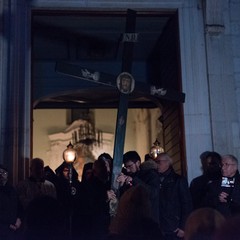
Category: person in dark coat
<point>93,213</point>
<point>224,194</point>
<point>175,203</point>
<point>145,174</point>
<point>10,208</point>
<point>68,193</point>
<point>211,166</point>
<point>109,166</point>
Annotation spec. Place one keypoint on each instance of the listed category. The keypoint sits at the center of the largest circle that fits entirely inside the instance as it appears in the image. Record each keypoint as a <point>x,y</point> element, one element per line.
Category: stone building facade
<point>210,67</point>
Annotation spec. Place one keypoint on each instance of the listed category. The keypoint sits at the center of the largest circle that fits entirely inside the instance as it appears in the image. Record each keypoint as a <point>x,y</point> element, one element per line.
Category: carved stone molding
<point>214,30</point>
<point>214,24</point>
<point>85,153</point>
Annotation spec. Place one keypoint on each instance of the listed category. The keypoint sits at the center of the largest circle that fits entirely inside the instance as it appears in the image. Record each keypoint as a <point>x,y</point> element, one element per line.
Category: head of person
<point>37,168</point>
<point>108,161</point>
<point>229,230</point>
<point>203,157</point>
<point>229,165</point>
<point>125,83</point>
<point>134,206</point>
<point>3,176</point>
<point>147,157</point>
<point>49,174</point>
<point>202,224</point>
<point>63,171</point>
<point>100,170</point>
<point>87,171</point>
<point>132,162</point>
<point>212,164</point>
<point>163,161</point>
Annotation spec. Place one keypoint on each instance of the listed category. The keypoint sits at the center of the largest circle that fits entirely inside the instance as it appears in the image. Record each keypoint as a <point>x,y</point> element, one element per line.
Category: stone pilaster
<point>15,87</point>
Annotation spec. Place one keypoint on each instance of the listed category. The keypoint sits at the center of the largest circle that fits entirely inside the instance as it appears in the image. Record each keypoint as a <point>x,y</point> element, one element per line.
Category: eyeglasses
<point>227,164</point>
<point>3,173</point>
<point>129,166</point>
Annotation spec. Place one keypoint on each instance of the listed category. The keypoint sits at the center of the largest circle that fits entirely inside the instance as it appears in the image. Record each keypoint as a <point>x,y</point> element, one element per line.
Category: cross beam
<point>109,80</point>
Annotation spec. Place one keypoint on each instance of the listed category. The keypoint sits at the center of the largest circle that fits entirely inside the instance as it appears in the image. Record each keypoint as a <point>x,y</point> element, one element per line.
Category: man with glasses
<point>175,202</point>
<point>135,173</point>
<point>224,194</point>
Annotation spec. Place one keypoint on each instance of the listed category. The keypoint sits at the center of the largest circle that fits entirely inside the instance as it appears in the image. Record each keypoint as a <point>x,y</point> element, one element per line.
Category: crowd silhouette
<point>152,202</point>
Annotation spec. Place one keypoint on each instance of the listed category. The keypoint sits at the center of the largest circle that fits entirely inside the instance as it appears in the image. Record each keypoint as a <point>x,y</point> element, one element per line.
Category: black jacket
<point>199,185</point>
<point>147,177</point>
<point>67,194</point>
<point>175,203</point>
<point>232,207</point>
<point>198,189</point>
<point>92,215</point>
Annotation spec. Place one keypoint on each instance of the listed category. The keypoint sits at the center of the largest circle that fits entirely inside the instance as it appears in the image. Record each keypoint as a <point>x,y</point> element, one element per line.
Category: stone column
<point>222,95</point>
<point>197,121</point>
<point>15,63</point>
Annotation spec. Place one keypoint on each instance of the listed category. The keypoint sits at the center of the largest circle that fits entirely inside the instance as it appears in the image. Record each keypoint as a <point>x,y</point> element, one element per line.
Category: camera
<point>227,182</point>
<point>227,185</point>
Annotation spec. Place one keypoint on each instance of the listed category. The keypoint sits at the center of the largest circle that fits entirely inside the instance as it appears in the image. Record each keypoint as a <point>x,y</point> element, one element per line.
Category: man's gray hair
<point>233,158</point>
<point>166,155</point>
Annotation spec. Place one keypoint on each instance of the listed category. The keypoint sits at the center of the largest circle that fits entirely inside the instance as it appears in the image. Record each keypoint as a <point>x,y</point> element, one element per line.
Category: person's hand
<point>121,179</point>
<point>13,227</point>
<point>223,197</point>
<point>128,180</point>
<point>17,225</point>
<point>179,232</point>
<point>111,195</point>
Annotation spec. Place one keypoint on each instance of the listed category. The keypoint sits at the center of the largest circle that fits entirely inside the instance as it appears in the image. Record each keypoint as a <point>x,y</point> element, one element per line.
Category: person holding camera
<point>224,194</point>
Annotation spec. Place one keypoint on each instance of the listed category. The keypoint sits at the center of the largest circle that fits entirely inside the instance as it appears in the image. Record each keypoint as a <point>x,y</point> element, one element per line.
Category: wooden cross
<point>123,99</point>
<point>128,39</point>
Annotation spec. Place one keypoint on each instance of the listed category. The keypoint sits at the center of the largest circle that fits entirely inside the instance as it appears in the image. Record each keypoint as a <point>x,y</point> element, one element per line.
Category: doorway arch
<point>161,67</point>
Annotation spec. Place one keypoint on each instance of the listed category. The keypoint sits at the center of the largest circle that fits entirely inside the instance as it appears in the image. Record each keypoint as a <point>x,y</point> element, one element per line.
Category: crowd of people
<point>152,201</point>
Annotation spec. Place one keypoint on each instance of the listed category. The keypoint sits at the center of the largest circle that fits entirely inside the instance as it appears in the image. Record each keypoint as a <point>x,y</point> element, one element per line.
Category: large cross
<point>128,42</point>
<point>128,39</point>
